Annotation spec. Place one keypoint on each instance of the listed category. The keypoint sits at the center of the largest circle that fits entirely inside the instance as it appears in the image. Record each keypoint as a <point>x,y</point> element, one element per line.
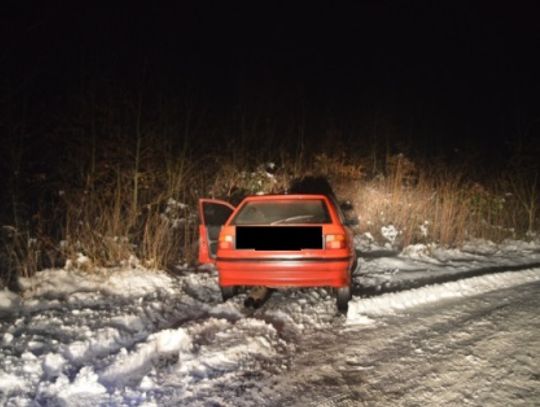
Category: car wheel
<point>228,292</point>
<point>257,296</point>
<point>343,295</point>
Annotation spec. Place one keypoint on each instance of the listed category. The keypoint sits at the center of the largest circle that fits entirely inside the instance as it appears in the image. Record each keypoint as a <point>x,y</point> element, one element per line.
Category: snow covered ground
<point>427,326</point>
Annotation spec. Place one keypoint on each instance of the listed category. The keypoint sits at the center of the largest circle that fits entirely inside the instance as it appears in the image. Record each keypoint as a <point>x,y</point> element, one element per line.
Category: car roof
<point>283,197</point>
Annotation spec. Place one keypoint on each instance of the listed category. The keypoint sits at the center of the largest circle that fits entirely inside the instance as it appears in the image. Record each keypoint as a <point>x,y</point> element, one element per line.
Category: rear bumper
<point>276,272</point>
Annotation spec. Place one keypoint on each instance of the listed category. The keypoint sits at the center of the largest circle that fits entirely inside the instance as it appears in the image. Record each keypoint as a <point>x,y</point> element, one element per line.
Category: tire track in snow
<point>435,277</point>
<point>447,353</point>
<point>398,301</point>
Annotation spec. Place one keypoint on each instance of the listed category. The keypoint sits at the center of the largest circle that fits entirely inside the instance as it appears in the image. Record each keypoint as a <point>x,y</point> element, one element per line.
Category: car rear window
<point>282,212</point>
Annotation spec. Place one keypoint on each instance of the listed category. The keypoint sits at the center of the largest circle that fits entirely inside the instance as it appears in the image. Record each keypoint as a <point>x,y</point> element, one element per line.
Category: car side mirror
<point>346,206</point>
<point>352,222</point>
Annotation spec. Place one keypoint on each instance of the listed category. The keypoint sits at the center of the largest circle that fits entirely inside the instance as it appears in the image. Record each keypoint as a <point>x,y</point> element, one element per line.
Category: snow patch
<point>53,365</point>
<point>390,233</point>
<point>10,383</point>
<point>9,302</point>
<point>7,338</point>
<point>228,310</point>
<point>390,303</point>
<point>136,283</point>
<point>366,243</point>
<point>132,366</point>
<point>102,342</point>
<point>418,251</point>
<point>243,346</point>
<point>85,390</point>
<point>130,336</point>
<point>119,282</point>
<point>82,261</point>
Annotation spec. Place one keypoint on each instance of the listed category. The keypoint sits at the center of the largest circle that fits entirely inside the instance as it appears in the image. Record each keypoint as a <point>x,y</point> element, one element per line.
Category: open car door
<point>213,214</point>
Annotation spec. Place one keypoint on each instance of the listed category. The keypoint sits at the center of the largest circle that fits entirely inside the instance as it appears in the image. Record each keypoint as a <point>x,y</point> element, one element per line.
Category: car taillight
<point>226,242</point>
<point>335,242</point>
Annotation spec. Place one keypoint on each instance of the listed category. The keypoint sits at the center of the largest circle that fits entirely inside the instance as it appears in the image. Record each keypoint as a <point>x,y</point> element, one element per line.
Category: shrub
<point>144,210</point>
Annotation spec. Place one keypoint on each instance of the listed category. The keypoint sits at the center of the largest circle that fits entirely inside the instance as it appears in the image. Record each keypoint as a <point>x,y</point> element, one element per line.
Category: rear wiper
<point>291,219</point>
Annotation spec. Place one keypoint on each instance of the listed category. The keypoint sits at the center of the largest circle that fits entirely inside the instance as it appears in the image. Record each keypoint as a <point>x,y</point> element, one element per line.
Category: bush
<point>143,209</point>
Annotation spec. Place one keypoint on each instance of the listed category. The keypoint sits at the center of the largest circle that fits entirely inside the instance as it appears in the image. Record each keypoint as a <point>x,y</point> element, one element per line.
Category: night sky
<point>456,74</point>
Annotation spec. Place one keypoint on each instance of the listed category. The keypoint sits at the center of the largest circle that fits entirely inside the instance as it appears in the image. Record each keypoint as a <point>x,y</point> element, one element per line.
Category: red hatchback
<point>278,241</point>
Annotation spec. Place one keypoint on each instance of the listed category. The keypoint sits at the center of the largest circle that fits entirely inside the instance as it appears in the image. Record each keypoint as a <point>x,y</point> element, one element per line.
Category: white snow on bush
<point>9,301</point>
<point>390,233</point>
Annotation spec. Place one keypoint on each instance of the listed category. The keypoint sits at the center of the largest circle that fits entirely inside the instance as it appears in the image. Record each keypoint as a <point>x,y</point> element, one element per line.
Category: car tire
<point>343,295</point>
<point>228,292</point>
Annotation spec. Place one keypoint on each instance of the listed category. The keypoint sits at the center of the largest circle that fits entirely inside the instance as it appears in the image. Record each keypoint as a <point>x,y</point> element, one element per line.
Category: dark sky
<point>468,65</point>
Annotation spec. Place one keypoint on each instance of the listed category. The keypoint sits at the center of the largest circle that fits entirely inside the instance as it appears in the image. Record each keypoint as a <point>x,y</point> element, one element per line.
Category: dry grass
<point>110,224</point>
<point>442,206</point>
<point>102,218</point>
<point>420,212</point>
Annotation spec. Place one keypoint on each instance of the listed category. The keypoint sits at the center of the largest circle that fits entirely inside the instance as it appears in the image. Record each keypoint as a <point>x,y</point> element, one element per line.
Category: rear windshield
<point>282,212</point>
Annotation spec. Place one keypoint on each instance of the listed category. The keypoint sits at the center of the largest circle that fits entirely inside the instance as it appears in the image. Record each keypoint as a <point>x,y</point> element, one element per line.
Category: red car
<point>278,241</point>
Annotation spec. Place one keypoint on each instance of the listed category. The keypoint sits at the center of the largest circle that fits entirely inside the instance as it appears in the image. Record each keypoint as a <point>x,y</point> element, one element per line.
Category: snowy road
<point>467,335</point>
<point>478,351</point>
